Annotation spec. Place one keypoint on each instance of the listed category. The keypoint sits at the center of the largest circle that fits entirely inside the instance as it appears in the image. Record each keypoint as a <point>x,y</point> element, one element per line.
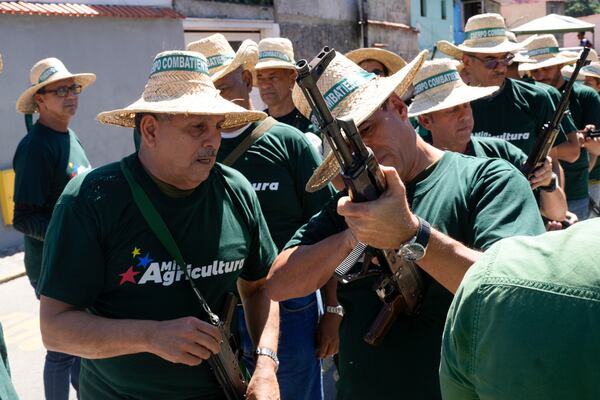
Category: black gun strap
<point>160,229</point>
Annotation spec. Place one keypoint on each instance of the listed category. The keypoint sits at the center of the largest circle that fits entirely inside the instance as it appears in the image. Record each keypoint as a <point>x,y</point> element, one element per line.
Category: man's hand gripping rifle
<point>399,285</point>
<point>545,140</point>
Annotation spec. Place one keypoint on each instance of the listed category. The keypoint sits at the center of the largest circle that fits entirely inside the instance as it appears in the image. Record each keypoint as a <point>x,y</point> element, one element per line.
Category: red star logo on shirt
<point>128,276</point>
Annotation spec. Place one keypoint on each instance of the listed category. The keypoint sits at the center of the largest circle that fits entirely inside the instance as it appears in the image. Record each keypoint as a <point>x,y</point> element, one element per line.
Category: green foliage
<point>579,8</point>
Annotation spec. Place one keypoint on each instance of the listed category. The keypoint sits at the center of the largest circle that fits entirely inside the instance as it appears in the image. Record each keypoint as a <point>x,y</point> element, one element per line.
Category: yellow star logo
<point>70,165</point>
<point>135,252</point>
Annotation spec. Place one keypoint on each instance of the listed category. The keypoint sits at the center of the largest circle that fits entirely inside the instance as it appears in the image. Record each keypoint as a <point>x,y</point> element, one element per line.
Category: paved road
<point>19,316</point>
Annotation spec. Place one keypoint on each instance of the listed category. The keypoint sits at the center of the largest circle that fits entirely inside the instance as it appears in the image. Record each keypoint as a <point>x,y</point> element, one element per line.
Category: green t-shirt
<point>7,390</point>
<point>584,105</point>
<point>44,162</point>
<point>476,201</point>
<point>496,148</point>
<point>278,165</point>
<point>101,255</point>
<point>524,322</point>
<point>516,113</point>
<point>297,120</point>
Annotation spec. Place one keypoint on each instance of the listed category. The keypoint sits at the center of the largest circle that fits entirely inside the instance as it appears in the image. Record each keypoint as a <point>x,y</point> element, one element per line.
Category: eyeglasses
<point>493,63</point>
<point>63,91</point>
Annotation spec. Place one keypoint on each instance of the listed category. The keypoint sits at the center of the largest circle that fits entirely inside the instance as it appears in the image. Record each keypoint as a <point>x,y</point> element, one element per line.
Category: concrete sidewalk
<point>11,266</point>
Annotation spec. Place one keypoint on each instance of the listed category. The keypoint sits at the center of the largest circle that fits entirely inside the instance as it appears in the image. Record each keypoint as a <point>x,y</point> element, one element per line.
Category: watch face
<point>413,252</point>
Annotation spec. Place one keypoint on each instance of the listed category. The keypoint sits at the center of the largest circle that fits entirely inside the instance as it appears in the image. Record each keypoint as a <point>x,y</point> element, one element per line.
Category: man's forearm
<point>553,205</point>
<point>329,293</point>
<point>568,151</point>
<point>300,271</point>
<point>262,317</point>
<point>447,260</point>
<point>86,335</point>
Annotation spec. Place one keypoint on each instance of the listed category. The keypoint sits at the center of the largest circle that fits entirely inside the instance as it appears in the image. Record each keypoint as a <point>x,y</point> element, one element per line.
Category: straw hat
<point>484,33</point>
<point>1,63</point>
<point>567,70</point>
<point>592,70</point>
<point>220,55</point>
<point>545,52</point>
<point>275,53</point>
<point>43,73</point>
<point>352,92</point>
<point>179,83</point>
<point>438,86</point>
<point>392,61</point>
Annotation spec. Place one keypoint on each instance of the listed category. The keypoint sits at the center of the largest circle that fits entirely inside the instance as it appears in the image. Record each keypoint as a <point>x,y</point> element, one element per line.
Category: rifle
<point>230,375</point>
<point>399,286</point>
<point>545,140</point>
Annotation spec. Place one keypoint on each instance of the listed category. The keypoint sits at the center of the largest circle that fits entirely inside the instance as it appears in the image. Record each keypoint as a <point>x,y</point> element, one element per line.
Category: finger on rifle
<point>392,178</point>
<point>347,208</point>
<point>208,335</point>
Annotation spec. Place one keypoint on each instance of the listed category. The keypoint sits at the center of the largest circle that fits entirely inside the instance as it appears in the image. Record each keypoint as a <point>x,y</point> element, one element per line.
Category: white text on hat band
<point>543,50</point>
<point>179,63</point>
<point>435,81</point>
<point>273,54</point>
<point>219,60</point>
<point>48,72</point>
<point>485,33</point>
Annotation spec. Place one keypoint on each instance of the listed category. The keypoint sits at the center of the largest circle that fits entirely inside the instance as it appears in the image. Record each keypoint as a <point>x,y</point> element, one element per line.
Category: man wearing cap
<point>275,77</point>
<point>278,164</point>
<point>518,111</point>
<point>45,160</point>
<point>442,106</point>
<point>584,106</point>
<point>591,75</point>
<point>471,202</point>
<point>111,290</point>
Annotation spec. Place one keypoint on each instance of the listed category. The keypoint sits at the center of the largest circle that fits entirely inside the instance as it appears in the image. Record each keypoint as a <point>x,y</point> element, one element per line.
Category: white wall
<point>118,50</point>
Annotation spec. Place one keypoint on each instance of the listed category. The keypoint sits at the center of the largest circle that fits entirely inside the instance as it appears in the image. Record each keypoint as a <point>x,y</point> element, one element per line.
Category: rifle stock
<point>545,140</point>
<point>400,287</point>
<point>225,364</point>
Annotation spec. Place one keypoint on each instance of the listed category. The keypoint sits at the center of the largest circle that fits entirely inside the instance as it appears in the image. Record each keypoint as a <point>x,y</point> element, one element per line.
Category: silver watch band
<point>265,351</point>
<point>339,310</point>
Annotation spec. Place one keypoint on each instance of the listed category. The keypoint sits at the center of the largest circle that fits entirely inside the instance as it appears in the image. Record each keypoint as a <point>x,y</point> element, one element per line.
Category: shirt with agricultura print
<point>476,201</point>
<point>516,113</point>
<point>100,255</point>
<point>44,163</point>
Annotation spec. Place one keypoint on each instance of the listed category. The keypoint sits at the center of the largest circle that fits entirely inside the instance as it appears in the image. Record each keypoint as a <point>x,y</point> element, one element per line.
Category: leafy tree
<point>578,8</point>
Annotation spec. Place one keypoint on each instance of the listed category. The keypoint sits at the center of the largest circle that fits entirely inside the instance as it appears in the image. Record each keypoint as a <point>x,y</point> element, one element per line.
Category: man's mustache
<point>207,153</point>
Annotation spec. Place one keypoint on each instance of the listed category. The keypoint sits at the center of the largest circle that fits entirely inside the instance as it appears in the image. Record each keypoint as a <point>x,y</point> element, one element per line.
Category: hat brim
<point>591,74</point>
<point>274,64</point>
<point>457,51</point>
<point>246,56</point>
<point>547,63</point>
<point>392,61</point>
<point>459,95</point>
<point>191,104</point>
<point>360,105</point>
<point>26,104</point>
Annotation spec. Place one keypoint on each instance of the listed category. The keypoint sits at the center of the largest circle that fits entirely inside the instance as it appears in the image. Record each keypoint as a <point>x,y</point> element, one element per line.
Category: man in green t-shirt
<point>46,159</point>
<point>110,290</point>
<point>442,106</point>
<point>7,390</point>
<point>470,203</point>
<point>591,75</point>
<point>278,164</point>
<point>524,321</point>
<point>518,111</point>
<point>584,106</point>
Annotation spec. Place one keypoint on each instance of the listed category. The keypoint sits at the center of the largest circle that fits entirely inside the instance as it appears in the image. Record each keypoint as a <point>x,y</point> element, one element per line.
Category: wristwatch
<point>339,310</point>
<point>265,351</point>
<point>552,186</point>
<point>415,249</point>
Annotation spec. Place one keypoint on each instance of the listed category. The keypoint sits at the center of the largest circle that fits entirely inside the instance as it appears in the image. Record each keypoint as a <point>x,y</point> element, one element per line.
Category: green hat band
<point>435,81</point>
<point>48,72</point>
<point>338,92</point>
<point>219,60</point>
<point>543,50</point>
<point>485,33</point>
<point>179,62</point>
<point>273,54</point>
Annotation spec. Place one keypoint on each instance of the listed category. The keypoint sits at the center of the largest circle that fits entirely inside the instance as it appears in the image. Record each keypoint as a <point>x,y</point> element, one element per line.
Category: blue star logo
<point>144,261</point>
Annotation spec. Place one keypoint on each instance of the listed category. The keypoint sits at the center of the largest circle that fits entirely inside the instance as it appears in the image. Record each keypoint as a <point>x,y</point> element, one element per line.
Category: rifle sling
<point>241,148</point>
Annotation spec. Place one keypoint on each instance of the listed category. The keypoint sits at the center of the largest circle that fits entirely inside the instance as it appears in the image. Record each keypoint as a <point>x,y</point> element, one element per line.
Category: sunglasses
<point>493,63</point>
<point>63,91</point>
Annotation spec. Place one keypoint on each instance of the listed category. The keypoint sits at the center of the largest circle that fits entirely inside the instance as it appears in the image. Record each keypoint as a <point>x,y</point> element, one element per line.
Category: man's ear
<point>425,121</point>
<point>247,78</point>
<point>38,99</point>
<point>399,105</point>
<point>149,129</point>
<point>466,60</point>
